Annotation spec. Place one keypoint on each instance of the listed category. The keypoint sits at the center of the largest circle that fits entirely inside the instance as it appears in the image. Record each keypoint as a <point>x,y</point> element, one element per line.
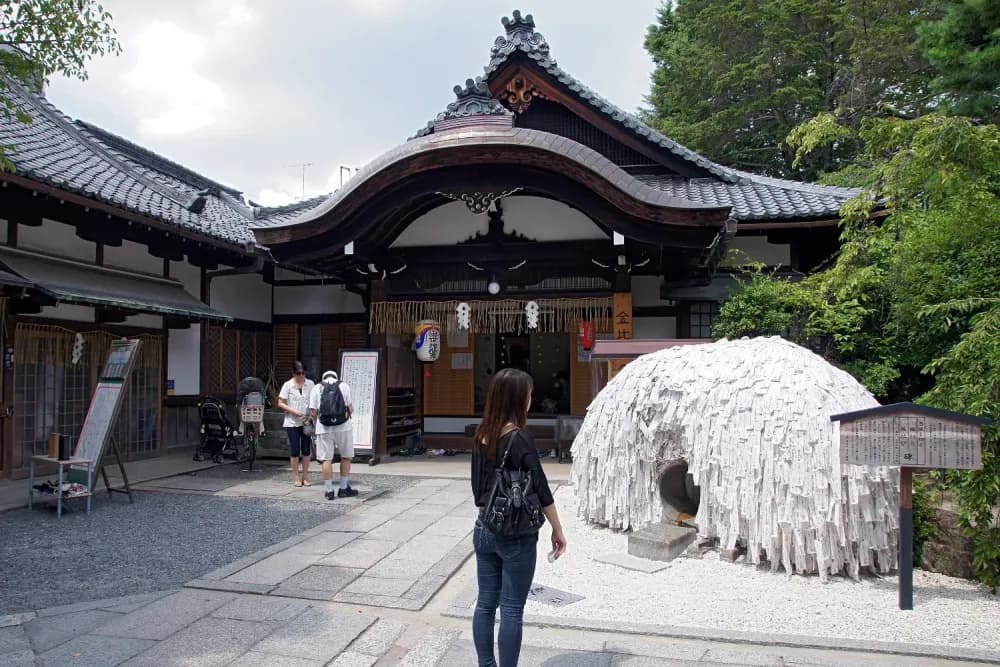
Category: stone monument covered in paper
<point>750,419</point>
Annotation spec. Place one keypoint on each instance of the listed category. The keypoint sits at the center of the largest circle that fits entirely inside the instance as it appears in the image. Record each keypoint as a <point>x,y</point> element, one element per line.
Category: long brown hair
<point>506,402</point>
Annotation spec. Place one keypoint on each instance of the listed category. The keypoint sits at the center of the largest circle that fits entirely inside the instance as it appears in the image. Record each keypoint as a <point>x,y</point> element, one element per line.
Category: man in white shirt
<point>333,438</point>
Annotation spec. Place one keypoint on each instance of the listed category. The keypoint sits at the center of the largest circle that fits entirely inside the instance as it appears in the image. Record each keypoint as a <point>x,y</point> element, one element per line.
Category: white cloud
<point>176,98</point>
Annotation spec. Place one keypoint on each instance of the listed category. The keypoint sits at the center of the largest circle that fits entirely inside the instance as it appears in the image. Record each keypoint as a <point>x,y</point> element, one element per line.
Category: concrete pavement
<point>388,583</point>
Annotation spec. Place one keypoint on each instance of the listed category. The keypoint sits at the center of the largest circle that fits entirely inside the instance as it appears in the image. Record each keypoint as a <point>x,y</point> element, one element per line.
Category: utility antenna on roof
<point>303,166</point>
<point>348,169</point>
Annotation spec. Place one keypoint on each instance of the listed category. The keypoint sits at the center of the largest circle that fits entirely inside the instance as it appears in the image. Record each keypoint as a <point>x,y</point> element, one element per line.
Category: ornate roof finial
<point>473,100</point>
<point>516,24</point>
<point>520,35</point>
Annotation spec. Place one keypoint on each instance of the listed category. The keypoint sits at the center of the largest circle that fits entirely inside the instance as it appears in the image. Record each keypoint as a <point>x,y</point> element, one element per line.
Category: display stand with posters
<point>98,426</point>
<point>362,371</point>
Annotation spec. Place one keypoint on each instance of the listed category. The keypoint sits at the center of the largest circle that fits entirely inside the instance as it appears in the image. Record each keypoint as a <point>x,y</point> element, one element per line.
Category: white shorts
<point>341,442</point>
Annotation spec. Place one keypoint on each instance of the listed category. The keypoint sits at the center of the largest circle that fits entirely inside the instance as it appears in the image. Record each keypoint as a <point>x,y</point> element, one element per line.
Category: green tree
<point>910,304</point>
<point>39,38</point>
<point>968,380</point>
<point>734,77</point>
<point>964,48</point>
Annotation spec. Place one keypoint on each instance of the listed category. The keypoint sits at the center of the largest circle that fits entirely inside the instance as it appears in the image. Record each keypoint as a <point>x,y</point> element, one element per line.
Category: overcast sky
<point>245,91</point>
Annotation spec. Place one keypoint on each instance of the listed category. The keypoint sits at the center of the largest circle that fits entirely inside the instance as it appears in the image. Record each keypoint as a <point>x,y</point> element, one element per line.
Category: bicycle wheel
<point>250,443</point>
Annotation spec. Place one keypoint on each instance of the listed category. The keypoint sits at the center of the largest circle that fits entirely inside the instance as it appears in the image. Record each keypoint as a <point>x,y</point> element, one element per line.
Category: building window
<point>702,317</point>
<point>230,354</point>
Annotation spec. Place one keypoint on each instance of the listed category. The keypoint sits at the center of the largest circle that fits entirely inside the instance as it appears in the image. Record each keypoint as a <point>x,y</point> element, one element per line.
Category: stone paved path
<point>374,587</point>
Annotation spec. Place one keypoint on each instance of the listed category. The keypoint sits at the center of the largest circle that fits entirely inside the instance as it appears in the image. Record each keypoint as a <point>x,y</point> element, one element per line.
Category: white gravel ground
<point>710,593</point>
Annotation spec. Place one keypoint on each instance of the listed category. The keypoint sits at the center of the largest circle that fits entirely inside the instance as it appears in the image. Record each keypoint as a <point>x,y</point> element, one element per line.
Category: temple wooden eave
<point>496,160</point>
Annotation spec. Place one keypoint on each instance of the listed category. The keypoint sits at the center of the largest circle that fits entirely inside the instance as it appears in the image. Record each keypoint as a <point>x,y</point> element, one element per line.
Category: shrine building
<point>527,188</point>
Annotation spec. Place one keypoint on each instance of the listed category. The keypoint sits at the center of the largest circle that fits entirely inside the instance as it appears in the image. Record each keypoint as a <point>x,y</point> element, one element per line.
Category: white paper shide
<point>751,418</point>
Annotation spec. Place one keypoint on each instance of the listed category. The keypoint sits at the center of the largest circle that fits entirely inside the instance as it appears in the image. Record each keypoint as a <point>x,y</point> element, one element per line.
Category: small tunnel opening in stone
<point>679,493</point>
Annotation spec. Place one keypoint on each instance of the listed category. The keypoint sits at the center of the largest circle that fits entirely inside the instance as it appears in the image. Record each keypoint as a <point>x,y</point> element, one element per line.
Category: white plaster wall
<point>144,320</point>
<point>132,256</point>
<point>56,238</point>
<point>746,249</point>
<point>316,300</point>
<point>654,327</point>
<point>535,217</point>
<point>244,296</point>
<point>184,360</point>
<point>68,311</point>
<point>646,291</point>
<point>189,275</point>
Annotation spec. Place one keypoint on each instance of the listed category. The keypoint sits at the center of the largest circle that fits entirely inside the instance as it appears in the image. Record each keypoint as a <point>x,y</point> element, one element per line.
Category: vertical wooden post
<point>621,317</point>
<point>905,538</point>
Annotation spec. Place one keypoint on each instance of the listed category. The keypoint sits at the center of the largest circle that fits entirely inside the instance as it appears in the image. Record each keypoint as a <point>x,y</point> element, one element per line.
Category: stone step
<point>660,541</point>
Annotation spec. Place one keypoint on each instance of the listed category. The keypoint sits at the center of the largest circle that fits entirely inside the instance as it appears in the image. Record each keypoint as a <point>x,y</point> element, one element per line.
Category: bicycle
<point>252,416</point>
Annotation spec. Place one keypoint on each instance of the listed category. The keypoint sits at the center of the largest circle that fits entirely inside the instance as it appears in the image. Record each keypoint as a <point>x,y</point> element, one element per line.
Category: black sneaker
<point>330,495</point>
<point>347,493</point>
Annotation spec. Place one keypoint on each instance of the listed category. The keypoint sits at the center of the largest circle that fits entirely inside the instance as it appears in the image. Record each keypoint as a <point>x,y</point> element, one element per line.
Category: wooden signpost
<point>909,436</point>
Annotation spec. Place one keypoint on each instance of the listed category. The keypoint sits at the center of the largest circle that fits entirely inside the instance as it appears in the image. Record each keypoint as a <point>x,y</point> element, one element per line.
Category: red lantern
<point>587,335</point>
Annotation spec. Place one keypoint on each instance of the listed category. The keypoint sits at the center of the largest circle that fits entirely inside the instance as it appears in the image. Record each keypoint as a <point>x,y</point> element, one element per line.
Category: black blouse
<point>523,456</point>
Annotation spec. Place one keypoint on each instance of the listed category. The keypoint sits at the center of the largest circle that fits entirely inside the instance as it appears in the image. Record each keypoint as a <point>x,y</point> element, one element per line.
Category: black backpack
<point>512,508</point>
<point>332,408</point>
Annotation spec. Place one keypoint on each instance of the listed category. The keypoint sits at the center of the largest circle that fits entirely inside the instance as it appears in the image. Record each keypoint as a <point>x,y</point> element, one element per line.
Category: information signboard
<point>910,439</point>
<point>359,369</point>
<point>106,401</point>
<point>909,436</point>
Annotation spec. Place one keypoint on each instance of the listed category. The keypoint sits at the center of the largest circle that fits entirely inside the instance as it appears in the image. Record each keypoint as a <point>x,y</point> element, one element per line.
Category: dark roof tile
<point>83,158</point>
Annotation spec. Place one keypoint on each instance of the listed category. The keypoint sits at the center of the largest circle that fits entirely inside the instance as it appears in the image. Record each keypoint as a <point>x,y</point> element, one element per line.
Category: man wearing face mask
<point>331,409</point>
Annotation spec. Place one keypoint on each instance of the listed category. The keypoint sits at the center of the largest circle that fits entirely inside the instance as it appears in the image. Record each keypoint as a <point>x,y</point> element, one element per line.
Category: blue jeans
<point>505,568</point>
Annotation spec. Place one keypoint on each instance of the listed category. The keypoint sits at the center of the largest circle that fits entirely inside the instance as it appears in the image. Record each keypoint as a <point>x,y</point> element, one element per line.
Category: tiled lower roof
<point>276,216</point>
<point>52,149</point>
<point>755,198</point>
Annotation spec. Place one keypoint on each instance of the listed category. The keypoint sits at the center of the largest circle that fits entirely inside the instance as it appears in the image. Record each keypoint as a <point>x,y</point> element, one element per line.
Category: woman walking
<point>505,565</point>
<point>294,400</point>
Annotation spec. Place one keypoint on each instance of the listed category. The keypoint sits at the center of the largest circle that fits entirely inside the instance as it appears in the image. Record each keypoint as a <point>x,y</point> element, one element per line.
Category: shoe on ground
<point>347,493</point>
<point>329,495</point>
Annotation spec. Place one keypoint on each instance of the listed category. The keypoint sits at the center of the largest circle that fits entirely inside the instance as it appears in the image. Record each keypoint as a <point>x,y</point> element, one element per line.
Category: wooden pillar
<point>622,317</point>
<point>905,537</point>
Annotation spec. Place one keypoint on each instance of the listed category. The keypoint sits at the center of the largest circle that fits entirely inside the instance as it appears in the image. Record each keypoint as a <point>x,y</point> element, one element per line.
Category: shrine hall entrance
<point>543,356</point>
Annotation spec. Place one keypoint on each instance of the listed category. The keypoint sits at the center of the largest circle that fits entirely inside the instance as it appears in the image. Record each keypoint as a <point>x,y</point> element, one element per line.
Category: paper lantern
<point>587,335</point>
<point>428,340</point>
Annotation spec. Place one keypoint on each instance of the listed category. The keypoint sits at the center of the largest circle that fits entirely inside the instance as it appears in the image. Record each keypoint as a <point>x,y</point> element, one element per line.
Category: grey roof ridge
<point>636,125</point>
<point>633,123</point>
<point>437,140</point>
<point>785,184</point>
<point>47,109</point>
<point>138,152</point>
<point>258,212</point>
<point>237,204</point>
<point>616,113</point>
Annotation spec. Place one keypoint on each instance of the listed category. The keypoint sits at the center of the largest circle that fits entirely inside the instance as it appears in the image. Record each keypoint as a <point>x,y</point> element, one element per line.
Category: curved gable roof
<point>752,197</point>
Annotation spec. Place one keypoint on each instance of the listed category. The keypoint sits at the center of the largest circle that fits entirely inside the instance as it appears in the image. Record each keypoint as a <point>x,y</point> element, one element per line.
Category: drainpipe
<point>257,266</point>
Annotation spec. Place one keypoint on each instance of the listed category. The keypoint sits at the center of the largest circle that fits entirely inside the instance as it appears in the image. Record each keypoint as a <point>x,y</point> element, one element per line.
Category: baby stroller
<point>217,431</point>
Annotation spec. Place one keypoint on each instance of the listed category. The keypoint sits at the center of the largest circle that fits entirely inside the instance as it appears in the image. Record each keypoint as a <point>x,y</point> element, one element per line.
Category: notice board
<point>913,436</point>
<point>106,401</point>
<point>361,371</point>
